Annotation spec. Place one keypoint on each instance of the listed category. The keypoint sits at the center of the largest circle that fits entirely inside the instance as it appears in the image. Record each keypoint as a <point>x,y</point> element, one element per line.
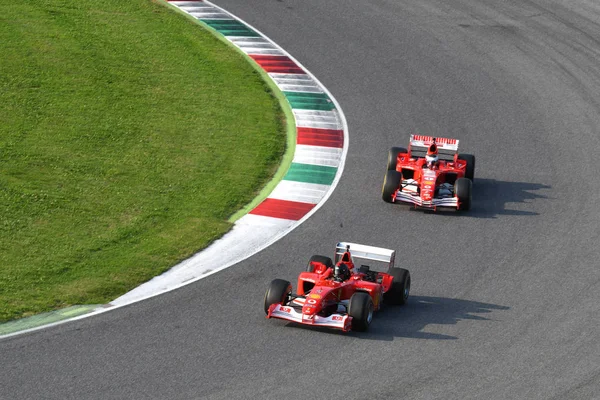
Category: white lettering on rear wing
<point>426,141</point>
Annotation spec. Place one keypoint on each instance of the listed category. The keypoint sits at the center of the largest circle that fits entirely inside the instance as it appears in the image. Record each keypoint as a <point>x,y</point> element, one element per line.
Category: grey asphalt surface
<point>505,299</point>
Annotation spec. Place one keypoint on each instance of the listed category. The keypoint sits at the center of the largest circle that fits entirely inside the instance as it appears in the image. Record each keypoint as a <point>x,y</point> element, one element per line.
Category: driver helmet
<point>432,156</point>
<point>341,272</point>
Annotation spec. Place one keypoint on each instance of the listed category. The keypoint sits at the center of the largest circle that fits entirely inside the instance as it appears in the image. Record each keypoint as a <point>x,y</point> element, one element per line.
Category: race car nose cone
<point>308,310</point>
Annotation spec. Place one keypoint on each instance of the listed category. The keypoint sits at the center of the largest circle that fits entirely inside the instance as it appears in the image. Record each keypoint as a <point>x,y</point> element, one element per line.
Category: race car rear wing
<point>419,144</point>
<point>365,252</point>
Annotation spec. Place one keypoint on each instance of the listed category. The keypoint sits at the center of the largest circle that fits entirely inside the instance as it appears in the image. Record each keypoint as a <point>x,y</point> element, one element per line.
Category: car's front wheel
<point>361,309</point>
<point>470,169</point>
<point>462,190</point>
<point>393,157</point>
<point>391,184</point>
<point>278,292</point>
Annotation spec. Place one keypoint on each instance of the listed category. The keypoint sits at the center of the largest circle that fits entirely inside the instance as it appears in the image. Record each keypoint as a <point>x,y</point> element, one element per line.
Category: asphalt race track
<point>505,299</point>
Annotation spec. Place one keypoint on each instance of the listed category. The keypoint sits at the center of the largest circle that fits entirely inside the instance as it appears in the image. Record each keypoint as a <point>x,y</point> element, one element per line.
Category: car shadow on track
<point>412,319</point>
<point>492,198</point>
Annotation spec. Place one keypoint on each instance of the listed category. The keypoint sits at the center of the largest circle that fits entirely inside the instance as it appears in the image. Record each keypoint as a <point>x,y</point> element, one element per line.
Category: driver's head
<point>432,156</point>
<point>341,272</point>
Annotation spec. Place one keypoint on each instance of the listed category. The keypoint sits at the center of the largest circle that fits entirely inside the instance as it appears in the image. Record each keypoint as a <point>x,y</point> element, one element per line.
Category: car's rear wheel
<point>393,157</point>
<point>361,309</point>
<point>470,170</point>
<point>400,289</point>
<point>278,293</point>
<point>320,259</point>
<point>462,190</point>
<point>391,184</point>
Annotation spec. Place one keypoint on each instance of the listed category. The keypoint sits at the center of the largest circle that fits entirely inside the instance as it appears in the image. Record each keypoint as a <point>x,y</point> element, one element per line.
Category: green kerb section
<point>310,101</point>
<point>309,173</point>
<point>230,27</point>
<point>46,318</point>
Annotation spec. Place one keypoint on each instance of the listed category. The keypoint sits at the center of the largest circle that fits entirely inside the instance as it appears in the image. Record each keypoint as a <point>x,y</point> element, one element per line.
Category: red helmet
<point>432,156</point>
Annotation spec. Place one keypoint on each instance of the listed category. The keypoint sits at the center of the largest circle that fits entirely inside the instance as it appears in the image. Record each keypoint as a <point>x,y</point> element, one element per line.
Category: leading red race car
<point>340,295</point>
<point>429,174</point>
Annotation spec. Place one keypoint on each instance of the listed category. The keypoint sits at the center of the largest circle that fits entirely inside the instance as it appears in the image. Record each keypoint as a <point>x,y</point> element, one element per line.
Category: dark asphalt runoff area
<point>505,298</point>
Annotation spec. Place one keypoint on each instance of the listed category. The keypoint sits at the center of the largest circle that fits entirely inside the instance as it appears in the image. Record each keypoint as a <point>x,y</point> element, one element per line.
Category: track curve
<point>506,299</point>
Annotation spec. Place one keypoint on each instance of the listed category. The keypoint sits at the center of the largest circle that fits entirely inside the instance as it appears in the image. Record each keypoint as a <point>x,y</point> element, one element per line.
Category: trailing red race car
<point>340,295</point>
<point>430,174</point>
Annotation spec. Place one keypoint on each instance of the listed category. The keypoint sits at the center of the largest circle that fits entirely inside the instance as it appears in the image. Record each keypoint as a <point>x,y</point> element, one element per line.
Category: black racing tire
<point>361,309</point>
<point>400,289</point>
<point>393,157</point>
<point>322,259</point>
<point>470,170</point>
<point>277,293</point>
<point>463,190</point>
<point>391,184</point>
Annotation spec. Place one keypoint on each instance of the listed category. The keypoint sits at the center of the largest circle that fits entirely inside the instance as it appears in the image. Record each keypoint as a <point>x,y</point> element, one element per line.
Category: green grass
<point>128,136</point>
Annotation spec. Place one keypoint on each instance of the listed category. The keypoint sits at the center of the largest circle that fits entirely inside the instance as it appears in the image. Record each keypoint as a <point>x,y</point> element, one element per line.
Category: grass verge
<point>128,138</point>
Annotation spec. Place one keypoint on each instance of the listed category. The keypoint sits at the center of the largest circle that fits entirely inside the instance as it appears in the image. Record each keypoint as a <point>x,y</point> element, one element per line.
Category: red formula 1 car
<point>339,295</point>
<point>430,174</point>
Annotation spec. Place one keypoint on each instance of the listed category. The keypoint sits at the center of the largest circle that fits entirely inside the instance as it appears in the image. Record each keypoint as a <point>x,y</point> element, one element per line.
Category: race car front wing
<point>337,321</point>
<point>417,201</point>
